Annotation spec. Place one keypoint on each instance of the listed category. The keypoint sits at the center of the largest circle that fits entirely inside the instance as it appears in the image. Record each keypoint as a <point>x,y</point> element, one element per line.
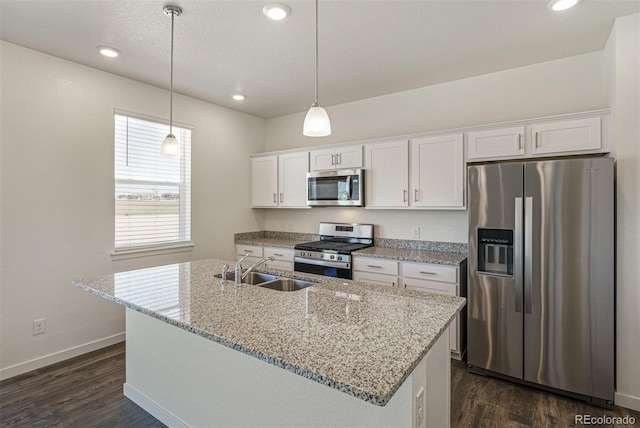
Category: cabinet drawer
<point>376,278</point>
<point>369,264</point>
<point>284,254</point>
<point>254,250</point>
<point>430,272</point>
<point>248,261</point>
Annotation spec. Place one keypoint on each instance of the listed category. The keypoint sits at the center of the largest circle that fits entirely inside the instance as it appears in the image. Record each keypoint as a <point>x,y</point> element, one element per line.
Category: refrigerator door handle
<point>517,254</point>
<point>528,253</point>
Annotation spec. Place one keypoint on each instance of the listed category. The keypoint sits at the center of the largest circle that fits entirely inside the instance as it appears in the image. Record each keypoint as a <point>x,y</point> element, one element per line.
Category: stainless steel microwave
<point>341,187</point>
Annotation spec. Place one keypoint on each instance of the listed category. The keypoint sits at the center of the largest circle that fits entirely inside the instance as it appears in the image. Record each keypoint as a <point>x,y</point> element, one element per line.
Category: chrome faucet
<point>237,270</point>
<point>242,276</point>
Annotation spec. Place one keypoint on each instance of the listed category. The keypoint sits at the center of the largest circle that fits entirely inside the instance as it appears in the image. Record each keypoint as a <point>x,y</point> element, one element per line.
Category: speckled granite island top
<point>361,339</point>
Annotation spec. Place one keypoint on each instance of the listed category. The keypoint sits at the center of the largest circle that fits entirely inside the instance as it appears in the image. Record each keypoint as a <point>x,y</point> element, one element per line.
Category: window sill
<point>132,253</point>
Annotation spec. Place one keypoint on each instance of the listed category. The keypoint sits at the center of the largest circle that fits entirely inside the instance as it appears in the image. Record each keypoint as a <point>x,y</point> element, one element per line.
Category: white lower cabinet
<point>254,252</point>
<point>283,257</point>
<point>431,278</point>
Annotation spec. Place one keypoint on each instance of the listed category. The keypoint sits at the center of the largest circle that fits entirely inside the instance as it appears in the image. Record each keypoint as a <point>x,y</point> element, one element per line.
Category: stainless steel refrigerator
<point>541,274</point>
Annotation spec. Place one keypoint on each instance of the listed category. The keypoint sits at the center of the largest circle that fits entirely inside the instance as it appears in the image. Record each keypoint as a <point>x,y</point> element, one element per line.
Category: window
<point>152,192</point>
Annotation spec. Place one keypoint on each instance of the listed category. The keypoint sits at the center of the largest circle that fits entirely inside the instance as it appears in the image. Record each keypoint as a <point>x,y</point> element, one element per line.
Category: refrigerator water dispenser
<point>495,251</point>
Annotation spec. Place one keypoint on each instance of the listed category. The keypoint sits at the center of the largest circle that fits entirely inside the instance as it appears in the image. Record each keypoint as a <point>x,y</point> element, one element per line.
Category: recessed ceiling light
<point>238,97</point>
<point>276,11</point>
<point>107,51</point>
<point>559,5</point>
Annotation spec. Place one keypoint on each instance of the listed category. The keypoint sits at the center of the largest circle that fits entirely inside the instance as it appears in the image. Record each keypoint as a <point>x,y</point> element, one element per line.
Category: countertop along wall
<point>566,85</point>
<point>57,203</point>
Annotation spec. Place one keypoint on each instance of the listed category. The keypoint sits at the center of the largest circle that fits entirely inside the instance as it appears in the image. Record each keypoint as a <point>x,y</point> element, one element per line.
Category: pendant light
<point>316,122</point>
<point>170,145</point>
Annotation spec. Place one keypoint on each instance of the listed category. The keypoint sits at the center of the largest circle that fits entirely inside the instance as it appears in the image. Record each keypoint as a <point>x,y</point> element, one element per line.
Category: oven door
<point>335,188</point>
<point>322,267</point>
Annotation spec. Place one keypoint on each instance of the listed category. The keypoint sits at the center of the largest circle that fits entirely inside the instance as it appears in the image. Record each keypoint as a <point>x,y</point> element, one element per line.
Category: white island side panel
<point>186,380</point>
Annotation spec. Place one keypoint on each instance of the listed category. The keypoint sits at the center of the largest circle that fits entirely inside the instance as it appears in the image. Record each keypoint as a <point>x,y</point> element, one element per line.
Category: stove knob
<point>332,257</point>
<point>339,257</point>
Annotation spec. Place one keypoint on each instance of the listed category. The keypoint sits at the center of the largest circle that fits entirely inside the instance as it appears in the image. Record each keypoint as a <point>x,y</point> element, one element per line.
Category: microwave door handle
<point>348,187</point>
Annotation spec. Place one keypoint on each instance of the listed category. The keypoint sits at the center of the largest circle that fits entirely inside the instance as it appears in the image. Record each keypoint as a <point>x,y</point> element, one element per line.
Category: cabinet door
<point>387,176</point>
<point>292,179</point>
<point>264,181</point>
<point>567,136</point>
<point>323,159</point>
<point>437,172</point>
<point>349,157</point>
<point>438,288</point>
<point>376,278</point>
<point>496,143</point>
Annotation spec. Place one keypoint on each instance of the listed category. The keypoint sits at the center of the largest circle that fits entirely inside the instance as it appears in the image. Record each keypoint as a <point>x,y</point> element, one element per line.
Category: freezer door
<point>569,281</point>
<point>495,295</point>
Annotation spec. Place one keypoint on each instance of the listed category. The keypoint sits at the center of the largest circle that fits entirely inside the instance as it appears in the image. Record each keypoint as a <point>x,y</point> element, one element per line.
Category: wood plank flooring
<point>86,391</point>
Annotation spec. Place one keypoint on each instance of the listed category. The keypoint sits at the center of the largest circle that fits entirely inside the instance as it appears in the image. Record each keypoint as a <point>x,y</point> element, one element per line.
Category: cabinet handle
<point>281,197</point>
<point>405,285</point>
<point>248,251</point>
<point>519,141</point>
<point>333,159</point>
<point>274,198</point>
<point>428,273</point>
<point>393,284</point>
<point>404,195</point>
<point>415,195</point>
<point>279,255</point>
<point>537,140</point>
<point>339,159</point>
<point>374,266</point>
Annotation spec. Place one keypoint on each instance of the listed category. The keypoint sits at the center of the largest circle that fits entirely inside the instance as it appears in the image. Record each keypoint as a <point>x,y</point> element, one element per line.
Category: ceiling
<point>367,47</point>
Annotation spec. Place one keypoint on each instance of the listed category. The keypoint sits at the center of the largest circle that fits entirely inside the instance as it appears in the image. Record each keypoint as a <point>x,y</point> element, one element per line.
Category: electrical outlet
<point>415,232</point>
<point>419,407</point>
<point>39,326</point>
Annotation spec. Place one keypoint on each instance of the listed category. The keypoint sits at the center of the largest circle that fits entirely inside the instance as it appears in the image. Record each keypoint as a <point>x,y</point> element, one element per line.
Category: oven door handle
<point>348,187</point>
<point>343,265</point>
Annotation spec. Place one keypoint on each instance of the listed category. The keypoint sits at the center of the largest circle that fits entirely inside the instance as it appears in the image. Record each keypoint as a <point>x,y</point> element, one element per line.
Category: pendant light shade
<point>316,122</point>
<point>170,145</point>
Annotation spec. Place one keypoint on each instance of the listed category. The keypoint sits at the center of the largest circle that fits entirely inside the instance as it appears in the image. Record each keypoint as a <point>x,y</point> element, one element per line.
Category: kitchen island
<point>338,352</point>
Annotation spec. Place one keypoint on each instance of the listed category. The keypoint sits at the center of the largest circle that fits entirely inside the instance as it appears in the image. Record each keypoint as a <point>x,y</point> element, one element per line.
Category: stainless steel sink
<point>254,278</point>
<point>271,282</point>
<point>286,284</point>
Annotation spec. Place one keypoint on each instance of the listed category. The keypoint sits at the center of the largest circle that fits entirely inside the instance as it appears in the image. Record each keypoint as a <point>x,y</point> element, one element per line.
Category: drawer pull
<point>279,255</point>
<point>374,266</point>
<point>248,251</point>
<point>427,273</point>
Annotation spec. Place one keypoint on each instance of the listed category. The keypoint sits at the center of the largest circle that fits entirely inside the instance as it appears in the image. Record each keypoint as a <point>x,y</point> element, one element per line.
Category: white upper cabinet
<point>387,174</point>
<point>280,180</point>
<point>566,136</point>
<point>264,181</point>
<point>580,134</point>
<point>496,143</point>
<point>292,179</point>
<point>437,172</point>
<point>343,157</point>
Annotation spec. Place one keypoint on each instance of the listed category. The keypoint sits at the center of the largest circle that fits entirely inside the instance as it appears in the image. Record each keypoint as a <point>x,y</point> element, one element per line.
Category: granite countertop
<point>445,253</point>
<point>364,340</point>
<point>413,255</point>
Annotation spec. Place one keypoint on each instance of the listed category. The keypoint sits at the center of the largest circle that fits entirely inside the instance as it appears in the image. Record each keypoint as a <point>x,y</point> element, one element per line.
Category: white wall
<point>622,65</point>
<point>57,224</point>
<point>562,86</point>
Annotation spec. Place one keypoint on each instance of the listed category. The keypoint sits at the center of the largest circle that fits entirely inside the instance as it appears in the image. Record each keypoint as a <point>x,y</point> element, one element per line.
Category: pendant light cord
<point>316,103</point>
<point>173,15</point>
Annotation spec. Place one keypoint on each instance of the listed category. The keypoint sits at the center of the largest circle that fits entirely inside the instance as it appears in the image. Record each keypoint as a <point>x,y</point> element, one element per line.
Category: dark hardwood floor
<point>86,391</point>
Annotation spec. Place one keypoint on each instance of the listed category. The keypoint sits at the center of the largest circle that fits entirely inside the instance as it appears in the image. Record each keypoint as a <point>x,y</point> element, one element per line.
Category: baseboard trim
<point>627,401</point>
<point>153,408</point>
<point>56,357</point>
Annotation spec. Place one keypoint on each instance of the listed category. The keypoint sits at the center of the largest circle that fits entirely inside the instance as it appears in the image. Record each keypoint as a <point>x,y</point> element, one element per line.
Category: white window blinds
<point>153,193</point>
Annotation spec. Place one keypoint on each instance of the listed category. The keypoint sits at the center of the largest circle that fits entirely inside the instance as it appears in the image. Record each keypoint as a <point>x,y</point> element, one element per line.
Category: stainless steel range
<point>331,255</point>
